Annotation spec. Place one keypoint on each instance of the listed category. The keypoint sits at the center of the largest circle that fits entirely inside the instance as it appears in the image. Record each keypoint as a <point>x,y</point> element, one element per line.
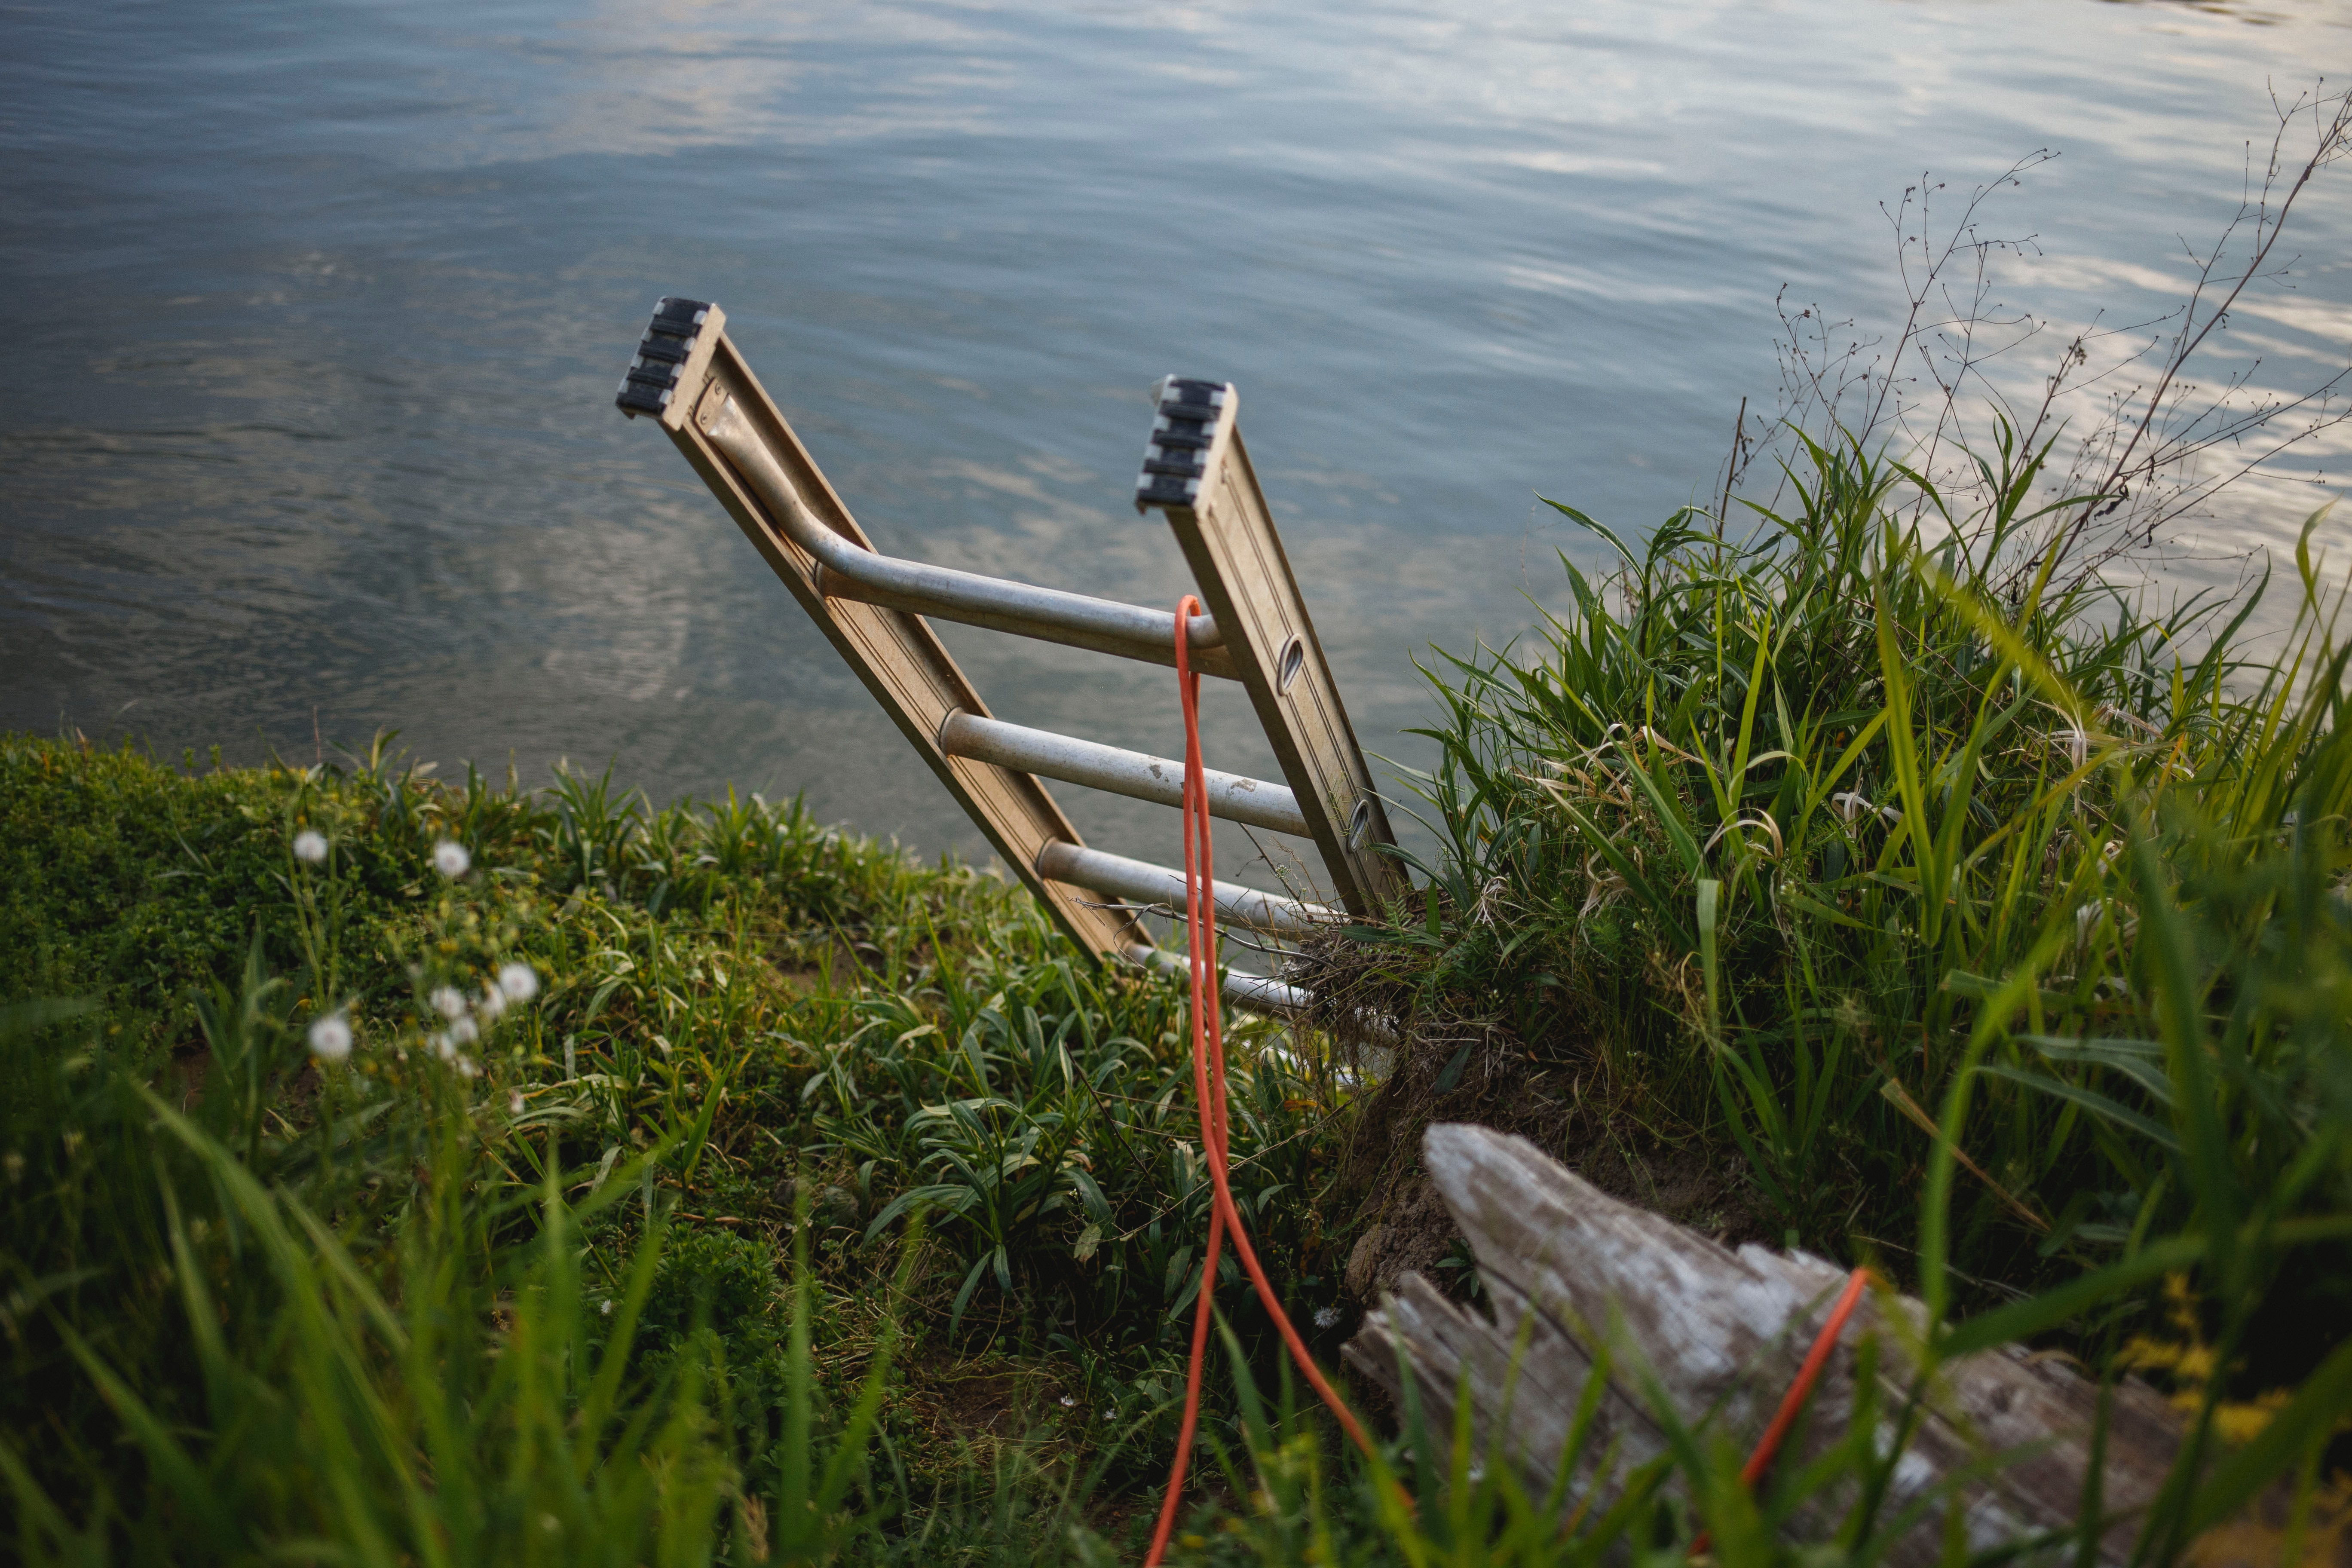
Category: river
<point>316,313</point>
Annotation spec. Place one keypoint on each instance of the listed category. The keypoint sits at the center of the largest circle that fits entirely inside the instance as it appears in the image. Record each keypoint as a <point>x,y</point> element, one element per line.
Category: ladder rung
<point>999,604</point>
<point>1254,992</point>
<point>848,570</point>
<point>1103,872</point>
<point>1119,772</point>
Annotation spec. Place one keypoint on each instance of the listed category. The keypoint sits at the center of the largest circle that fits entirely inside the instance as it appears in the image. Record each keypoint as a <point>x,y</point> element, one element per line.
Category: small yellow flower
<point>2245,1423</point>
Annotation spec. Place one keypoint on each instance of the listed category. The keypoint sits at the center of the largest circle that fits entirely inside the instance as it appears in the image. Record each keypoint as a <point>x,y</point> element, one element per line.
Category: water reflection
<point>326,314</point>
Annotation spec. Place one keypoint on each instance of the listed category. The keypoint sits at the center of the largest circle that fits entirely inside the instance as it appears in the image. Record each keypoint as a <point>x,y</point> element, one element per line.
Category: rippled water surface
<point>315,312</point>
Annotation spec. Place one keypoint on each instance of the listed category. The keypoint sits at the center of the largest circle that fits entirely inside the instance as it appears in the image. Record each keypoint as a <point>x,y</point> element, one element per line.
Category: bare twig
<point>2138,467</point>
<point>2333,139</point>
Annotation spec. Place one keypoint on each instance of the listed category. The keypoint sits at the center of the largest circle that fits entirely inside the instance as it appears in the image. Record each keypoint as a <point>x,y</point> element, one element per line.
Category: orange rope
<point>1793,1400</point>
<point>1209,1090</point>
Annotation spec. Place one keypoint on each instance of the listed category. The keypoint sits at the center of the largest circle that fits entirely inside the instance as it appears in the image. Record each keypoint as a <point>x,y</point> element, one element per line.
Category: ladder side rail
<point>1222,523</point>
<point>897,656</point>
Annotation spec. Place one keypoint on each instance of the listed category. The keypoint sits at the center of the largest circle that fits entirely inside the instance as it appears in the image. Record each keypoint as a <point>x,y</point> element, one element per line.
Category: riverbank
<point>447,1172</point>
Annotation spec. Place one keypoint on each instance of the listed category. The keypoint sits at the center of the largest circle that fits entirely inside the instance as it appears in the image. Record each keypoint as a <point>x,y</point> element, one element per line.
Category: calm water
<point>315,313</point>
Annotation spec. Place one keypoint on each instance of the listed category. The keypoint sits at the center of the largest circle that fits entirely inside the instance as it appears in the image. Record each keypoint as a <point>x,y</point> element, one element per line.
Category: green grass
<point>1804,838</point>
<point>738,1010</point>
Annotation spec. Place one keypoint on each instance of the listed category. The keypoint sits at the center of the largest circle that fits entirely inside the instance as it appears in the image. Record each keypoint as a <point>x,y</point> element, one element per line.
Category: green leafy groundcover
<point>514,1276</point>
<point>408,1172</point>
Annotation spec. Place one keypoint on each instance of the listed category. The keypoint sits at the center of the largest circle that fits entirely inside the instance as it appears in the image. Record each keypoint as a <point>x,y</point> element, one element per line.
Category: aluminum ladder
<point>690,377</point>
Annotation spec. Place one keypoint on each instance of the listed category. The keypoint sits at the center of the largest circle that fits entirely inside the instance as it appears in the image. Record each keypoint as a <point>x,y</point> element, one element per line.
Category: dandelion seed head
<point>449,858</point>
<point>444,1047</point>
<point>519,981</point>
<point>330,1037</point>
<point>464,1032</point>
<point>466,1068</point>
<point>310,844</point>
<point>514,1103</point>
<point>1325,1317</point>
<point>491,1003</point>
<point>607,1307</point>
<point>450,1002</point>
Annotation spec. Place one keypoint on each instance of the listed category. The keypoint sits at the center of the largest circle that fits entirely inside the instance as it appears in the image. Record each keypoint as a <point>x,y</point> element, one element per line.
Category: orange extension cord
<point>1209,1089</point>
<point>1793,1400</point>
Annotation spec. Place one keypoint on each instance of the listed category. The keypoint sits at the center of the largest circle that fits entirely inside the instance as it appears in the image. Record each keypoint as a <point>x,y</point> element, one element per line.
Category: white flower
<point>449,858</point>
<point>464,1032</point>
<point>514,1103</point>
<point>519,981</point>
<point>607,1307</point>
<point>310,844</point>
<point>466,1067</point>
<point>1326,1316</point>
<point>491,1003</point>
<point>1068,1403</point>
<point>330,1037</point>
<point>450,1002</point>
<point>444,1047</point>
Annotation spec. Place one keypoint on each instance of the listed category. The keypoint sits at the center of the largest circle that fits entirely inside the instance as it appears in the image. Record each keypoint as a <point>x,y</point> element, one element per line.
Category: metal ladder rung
<point>1100,871</point>
<point>1254,992</point>
<point>1116,771</point>
<point>848,570</point>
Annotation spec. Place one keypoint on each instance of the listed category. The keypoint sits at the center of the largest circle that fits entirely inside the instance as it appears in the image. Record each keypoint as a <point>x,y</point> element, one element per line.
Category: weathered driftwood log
<point>1723,1333</point>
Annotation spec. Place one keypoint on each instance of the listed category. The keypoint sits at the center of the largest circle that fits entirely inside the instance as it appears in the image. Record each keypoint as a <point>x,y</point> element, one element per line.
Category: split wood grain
<point>1722,1334</point>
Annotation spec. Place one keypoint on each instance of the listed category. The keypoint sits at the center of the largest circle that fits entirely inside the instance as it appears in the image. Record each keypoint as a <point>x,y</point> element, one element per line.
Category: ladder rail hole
<point>1293,659</point>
